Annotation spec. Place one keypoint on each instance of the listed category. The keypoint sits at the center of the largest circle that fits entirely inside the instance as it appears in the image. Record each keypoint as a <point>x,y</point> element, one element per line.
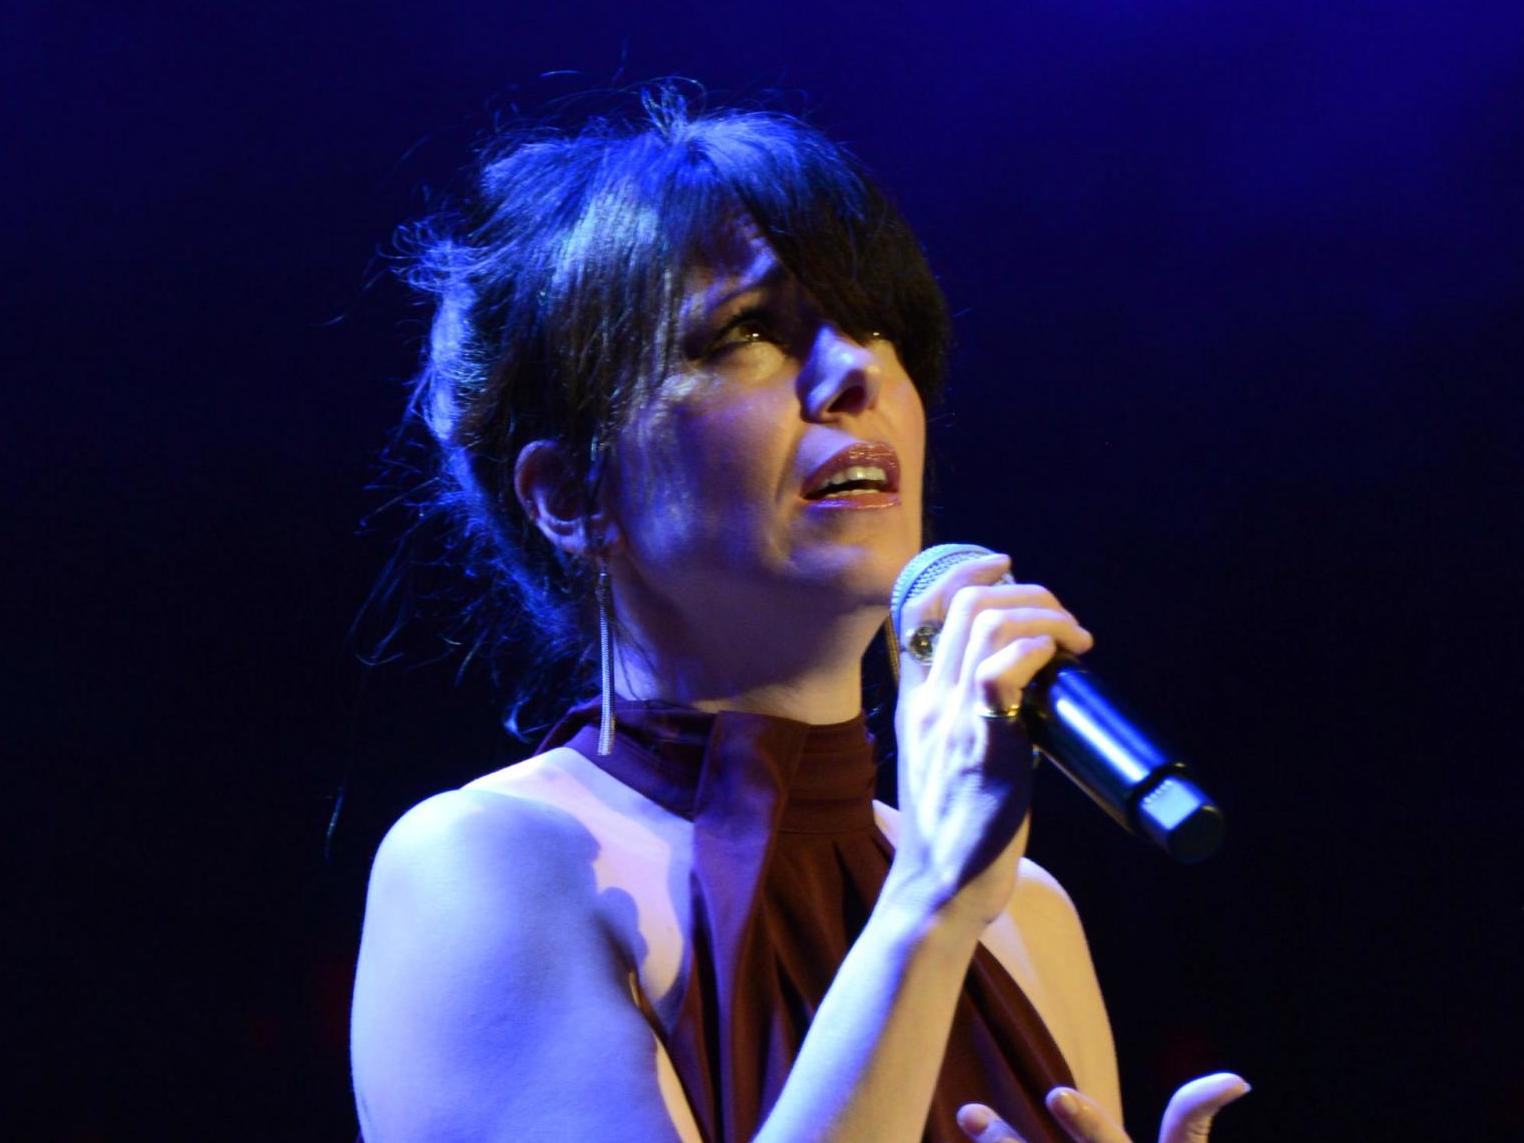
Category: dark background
<point>1239,292</point>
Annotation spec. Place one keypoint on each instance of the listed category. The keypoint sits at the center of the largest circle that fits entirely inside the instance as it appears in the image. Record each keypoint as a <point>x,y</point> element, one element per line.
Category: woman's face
<point>778,471</point>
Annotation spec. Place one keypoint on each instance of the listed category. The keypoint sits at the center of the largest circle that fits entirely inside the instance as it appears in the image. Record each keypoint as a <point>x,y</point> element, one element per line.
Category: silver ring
<point>922,644</point>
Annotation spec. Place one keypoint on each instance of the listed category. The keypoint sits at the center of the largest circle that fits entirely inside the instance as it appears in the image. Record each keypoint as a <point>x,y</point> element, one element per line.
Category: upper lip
<point>863,454</point>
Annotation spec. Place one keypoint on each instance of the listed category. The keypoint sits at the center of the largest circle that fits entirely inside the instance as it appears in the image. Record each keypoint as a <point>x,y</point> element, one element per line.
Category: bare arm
<point>868,1066</point>
<point>490,1003</point>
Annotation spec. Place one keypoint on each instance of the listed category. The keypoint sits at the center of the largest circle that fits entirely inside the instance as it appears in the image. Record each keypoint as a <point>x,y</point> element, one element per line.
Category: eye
<point>749,327</point>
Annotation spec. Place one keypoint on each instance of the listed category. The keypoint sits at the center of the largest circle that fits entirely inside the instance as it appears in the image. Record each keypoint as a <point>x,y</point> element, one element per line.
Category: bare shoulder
<point>468,890</point>
<point>622,820</point>
<point>1039,893</point>
<point>542,778</point>
<point>478,816</point>
<point>456,847</point>
<point>488,992</point>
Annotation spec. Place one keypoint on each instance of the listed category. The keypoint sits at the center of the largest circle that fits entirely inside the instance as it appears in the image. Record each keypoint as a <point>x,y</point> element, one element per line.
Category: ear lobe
<point>553,498</point>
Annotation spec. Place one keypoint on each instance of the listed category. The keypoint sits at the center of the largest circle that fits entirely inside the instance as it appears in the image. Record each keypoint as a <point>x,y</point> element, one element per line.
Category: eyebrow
<point>775,273</point>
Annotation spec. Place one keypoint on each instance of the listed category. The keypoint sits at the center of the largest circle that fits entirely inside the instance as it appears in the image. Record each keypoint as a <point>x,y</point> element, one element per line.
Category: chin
<point>865,576</point>
<point>857,564</point>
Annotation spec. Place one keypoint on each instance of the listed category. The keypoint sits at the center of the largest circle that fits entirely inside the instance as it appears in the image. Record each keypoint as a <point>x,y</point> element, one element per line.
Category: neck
<point>812,674</point>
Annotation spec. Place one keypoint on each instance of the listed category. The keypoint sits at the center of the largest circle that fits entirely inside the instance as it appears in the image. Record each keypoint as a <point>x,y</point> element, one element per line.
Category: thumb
<point>1188,1118</point>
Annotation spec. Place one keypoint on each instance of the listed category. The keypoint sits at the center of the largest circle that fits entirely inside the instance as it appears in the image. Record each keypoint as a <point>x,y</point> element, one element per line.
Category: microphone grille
<point>926,567</point>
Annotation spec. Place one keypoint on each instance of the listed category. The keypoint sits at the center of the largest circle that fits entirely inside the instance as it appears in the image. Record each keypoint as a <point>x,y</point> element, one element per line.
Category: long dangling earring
<point>605,665</point>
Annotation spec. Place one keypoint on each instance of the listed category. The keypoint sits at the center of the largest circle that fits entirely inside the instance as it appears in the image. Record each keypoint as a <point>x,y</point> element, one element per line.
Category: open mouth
<point>859,470</point>
<point>858,479</point>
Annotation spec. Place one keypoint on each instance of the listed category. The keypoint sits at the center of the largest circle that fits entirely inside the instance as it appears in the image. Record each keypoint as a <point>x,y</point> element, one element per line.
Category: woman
<point>678,373</point>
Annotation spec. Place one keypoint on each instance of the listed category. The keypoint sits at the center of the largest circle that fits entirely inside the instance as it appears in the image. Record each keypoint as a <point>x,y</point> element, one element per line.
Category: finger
<point>978,617</point>
<point>969,618</point>
<point>994,583</point>
<point>1013,594</point>
<point>932,605</point>
<point>982,1125</point>
<point>1188,1118</point>
<point>1083,1118</point>
<point>995,628</point>
<point>998,681</point>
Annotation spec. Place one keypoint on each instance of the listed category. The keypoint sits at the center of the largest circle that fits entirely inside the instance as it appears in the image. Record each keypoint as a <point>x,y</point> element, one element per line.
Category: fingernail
<point>976,1119</point>
<point>1065,1104</point>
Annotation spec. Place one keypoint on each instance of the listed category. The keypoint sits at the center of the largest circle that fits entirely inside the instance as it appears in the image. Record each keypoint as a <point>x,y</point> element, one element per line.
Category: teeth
<point>855,474</point>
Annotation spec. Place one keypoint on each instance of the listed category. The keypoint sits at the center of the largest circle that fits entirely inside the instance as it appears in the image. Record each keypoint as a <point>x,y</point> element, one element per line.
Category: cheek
<point>737,449</point>
<point>699,467</point>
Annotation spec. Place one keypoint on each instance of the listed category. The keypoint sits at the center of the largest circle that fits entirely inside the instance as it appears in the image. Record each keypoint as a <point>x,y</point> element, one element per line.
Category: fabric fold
<point>787,865</point>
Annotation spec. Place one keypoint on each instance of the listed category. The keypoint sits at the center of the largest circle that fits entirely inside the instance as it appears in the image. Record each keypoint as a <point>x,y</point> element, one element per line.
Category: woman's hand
<point>964,777</point>
<point>1187,1119</point>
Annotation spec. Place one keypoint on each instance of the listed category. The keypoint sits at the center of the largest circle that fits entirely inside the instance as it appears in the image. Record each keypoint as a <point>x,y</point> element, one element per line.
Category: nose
<point>841,378</point>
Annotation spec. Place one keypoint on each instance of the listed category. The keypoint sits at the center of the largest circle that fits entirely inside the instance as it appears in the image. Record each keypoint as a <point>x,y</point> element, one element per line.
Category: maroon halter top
<point>787,865</point>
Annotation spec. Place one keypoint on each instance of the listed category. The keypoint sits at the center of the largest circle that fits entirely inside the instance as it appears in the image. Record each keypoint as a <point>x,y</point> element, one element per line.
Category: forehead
<point>732,260</point>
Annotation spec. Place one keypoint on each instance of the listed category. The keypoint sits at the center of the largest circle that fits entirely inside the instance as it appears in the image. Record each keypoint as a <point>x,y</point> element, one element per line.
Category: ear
<point>554,499</point>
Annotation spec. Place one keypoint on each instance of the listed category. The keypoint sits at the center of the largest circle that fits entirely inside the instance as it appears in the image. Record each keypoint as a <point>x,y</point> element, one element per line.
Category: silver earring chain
<point>605,666</point>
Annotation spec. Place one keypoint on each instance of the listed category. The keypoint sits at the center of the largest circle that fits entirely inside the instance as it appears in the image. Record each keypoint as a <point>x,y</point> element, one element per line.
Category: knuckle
<point>986,626</point>
<point>1036,619</point>
<point>1036,653</point>
<point>963,602</point>
<point>1049,600</point>
<point>987,678</point>
<point>1004,679</point>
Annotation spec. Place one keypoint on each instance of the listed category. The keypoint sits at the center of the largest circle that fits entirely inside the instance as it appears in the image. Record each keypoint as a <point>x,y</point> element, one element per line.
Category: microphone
<point>1071,720</point>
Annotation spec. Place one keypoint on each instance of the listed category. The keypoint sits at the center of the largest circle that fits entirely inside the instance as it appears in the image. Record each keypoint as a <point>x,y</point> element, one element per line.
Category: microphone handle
<point>1075,724</point>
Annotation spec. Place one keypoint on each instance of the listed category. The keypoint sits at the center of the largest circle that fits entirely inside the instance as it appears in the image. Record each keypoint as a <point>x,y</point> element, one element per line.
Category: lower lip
<point>859,502</point>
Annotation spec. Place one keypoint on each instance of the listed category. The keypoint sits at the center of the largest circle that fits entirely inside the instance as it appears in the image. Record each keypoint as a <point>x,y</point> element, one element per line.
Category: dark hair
<point>557,284</point>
